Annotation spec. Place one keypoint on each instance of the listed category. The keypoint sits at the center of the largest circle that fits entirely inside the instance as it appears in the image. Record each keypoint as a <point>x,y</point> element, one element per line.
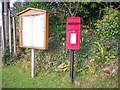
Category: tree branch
<point>68,8</point>
<point>74,13</point>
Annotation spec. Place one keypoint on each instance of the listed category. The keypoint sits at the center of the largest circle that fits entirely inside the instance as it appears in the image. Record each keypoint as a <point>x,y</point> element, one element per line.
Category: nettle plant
<point>108,26</point>
<point>106,38</point>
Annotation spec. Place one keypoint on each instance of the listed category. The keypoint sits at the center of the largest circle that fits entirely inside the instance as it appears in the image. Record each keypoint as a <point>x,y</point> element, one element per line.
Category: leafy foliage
<point>107,35</point>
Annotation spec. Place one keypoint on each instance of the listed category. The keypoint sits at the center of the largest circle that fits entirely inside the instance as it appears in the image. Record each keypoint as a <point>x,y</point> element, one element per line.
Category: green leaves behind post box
<point>106,37</point>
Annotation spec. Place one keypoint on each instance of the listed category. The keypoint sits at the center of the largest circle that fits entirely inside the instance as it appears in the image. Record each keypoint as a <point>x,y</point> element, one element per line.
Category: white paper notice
<point>38,31</point>
<point>73,38</point>
<point>27,31</point>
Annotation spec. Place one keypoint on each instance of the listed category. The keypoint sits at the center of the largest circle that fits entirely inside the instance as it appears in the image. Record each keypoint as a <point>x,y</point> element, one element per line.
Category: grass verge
<point>14,76</point>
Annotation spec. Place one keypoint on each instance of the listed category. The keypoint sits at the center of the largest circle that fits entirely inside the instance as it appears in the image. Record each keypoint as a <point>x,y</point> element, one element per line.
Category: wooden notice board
<point>33,28</point>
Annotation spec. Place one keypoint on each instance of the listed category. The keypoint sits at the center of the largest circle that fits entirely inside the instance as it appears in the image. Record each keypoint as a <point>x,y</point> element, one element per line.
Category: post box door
<point>73,33</point>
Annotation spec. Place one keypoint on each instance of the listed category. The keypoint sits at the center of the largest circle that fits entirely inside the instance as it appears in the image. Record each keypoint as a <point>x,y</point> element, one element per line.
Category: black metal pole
<point>3,35</point>
<point>71,64</point>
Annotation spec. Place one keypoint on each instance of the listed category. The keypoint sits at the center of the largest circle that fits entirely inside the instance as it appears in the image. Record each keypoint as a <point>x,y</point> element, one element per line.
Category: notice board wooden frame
<point>33,12</point>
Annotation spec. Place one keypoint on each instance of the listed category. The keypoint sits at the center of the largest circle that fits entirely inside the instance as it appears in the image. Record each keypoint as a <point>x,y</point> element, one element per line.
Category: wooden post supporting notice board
<point>32,63</point>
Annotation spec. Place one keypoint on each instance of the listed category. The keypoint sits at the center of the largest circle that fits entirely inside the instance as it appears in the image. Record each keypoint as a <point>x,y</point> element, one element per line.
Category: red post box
<point>73,33</point>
